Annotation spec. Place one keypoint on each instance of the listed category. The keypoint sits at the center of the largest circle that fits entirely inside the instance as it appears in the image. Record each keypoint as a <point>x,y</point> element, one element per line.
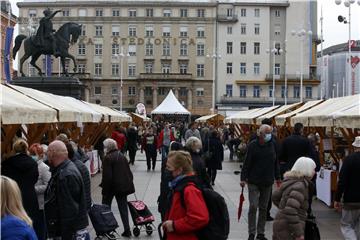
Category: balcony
<point>165,76</point>
<point>258,102</point>
<point>290,77</point>
<point>227,19</point>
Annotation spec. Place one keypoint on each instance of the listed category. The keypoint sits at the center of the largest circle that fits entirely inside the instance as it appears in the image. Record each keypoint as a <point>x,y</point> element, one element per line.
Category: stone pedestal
<point>64,86</point>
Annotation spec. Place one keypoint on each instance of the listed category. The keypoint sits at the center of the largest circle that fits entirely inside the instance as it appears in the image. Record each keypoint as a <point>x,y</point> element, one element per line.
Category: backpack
<point>219,224</point>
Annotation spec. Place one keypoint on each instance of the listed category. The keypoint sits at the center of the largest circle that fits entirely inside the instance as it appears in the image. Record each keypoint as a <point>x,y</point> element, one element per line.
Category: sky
<point>334,32</point>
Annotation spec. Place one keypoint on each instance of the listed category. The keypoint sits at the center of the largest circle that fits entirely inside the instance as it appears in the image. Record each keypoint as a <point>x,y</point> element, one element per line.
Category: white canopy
<point>170,105</point>
<point>348,117</point>
<point>281,119</point>
<point>325,113</point>
<point>110,115</point>
<point>207,117</point>
<point>16,108</point>
<point>250,116</point>
<point>278,111</point>
<point>240,114</point>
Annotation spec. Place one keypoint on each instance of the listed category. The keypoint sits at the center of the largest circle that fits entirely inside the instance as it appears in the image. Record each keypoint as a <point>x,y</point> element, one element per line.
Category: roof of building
<point>343,47</point>
<point>4,9</point>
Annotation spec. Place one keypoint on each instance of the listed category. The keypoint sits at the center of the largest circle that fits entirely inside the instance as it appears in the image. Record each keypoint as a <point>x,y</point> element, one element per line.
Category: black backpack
<point>219,224</point>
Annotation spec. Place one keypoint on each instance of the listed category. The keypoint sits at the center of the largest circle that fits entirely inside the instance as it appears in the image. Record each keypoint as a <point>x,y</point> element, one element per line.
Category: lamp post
<point>121,57</point>
<point>274,51</point>
<point>214,58</point>
<point>302,33</point>
<point>347,3</point>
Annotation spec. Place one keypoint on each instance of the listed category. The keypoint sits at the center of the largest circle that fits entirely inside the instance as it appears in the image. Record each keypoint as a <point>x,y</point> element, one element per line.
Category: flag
<point>8,40</point>
<point>354,61</point>
<point>48,64</point>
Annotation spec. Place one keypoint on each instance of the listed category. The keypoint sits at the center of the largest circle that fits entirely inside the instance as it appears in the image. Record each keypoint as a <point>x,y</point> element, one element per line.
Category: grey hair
<point>191,142</point>
<point>263,128</point>
<point>109,144</point>
<point>304,165</point>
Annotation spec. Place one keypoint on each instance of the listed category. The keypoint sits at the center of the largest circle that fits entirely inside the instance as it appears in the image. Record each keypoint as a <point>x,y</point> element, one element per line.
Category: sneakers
<point>261,237</point>
<point>126,233</point>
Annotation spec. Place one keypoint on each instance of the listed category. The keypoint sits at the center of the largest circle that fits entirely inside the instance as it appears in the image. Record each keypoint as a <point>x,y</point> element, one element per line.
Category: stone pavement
<point>147,186</point>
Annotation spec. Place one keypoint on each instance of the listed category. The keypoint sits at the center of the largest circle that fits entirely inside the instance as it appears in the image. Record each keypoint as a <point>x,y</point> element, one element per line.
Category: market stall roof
<point>144,118</point>
<point>110,115</point>
<point>250,116</point>
<point>216,117</point>
<point>323,114</point>
<point>170,105</point>
<point>16,108</point>
<point>278,111</point>
<point>239,114</point>
<point>348,117</point>
<point>281,119</point>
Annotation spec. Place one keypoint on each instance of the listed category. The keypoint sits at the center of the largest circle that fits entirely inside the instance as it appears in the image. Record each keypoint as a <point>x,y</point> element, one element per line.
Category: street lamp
<point>214,57</point>
<point>274,51</point>
<point>347,3</point>
<point>302,33</point>
<point>121,57</point>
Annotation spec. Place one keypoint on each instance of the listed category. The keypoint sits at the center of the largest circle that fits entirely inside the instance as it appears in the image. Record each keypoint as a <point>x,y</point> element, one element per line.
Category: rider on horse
<point>46,31</point>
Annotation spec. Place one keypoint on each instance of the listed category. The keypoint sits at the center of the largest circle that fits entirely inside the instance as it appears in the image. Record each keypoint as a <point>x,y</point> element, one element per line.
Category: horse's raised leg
<point>33,62</point>
<point>72,58</point>
<point>22,60</point>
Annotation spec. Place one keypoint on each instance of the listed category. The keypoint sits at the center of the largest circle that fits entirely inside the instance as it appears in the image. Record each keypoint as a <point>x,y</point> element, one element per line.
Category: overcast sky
<point>334,32</point>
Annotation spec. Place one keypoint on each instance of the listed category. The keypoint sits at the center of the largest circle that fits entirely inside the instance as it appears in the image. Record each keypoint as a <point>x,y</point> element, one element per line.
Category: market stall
<point>213,119</point>
<point>139,119</point>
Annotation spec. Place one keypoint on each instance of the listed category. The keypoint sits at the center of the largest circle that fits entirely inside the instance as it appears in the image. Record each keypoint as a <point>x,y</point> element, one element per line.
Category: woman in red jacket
<point>182,222</point>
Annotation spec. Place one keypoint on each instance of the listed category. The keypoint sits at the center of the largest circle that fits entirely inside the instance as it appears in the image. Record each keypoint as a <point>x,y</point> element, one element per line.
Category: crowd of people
<point>46,189</point>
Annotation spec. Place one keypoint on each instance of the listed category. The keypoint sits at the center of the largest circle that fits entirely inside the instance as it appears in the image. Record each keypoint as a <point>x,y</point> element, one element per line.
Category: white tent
<point>250,116</point>
<point>110,115</point>
<point>240,114</point>
<point>280,110</point>
<point>16,108</point>
<point>170,105</point>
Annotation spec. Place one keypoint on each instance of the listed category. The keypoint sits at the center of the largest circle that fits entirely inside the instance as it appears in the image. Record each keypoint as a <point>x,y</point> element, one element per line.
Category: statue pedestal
<point>64,86</point>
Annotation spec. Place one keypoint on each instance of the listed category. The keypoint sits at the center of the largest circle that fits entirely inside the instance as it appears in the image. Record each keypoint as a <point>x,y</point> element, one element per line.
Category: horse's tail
<point>18,41</point>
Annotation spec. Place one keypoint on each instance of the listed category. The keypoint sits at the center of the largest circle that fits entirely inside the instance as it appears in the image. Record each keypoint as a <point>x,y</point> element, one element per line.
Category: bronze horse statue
<point>66,35</point>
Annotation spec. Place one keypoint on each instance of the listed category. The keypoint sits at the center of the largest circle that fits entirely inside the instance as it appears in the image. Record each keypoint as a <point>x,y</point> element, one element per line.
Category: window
<point>229,90</point>
<point>183,92</point>
<point>166,49</point>
<point>242,91</point>
<point>183,12</point>
<point>115,69</point>
<point>115,49</point>
<point>256,68</point>
<point>162,91</point>
<point>131,70</point>
<point>257,12</point>
<point>132,50</point>
<point>149,12</point>
<point>32,13</point>
<point>81,49</point>
<point>149,67</point>
<point>183,31</point>
<point>98,69</point>
<point>243,48</point>
<point>242,68</point>
<point>115,30</point>
<point>271,91</point>
<point>149,31</point>
<point>243,12</point>
<point>278,48</point>
<point>165,68</point>
<point>200,70</point>
<point>296,92</point>
<point>200,49</point>
<point>167,13</point>
<point>83,30</point>
<point>98,31</point>
<point>200,32</point>
<point>283,92</point>
<point>166,31</point>
<point>149,49</point>
<point>132,31</point>
<point>183,68</point>
<point>115,12</point>
<point>66,13</point>
<point>256,48</point>
<point>243,28</point>
<point>82,12</point>
<point>308,92</point>
<point>229,30</point>
<point>98,49</point>
<point>201,13</point>
<point>229,47</point>
<point>277,68</point>
<point>132,12</point>
<point>98,12</point>
<point>132,91</point>
<point>200,92</point>
<point>256,91</point>
<point>183,49</point>
<point>81,68</point>
<point>257,29</point>
<point>277,13</point>
<point>97,90</point>
<point>114,90</point>
<point>148,91</point>
<point>229,12</point>
<point>277,29</point>
<point>229,68</point>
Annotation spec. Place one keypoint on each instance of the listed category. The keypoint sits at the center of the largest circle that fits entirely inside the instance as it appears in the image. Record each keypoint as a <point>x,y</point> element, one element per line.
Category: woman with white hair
<point>292,199</point>
<point>117,181</point>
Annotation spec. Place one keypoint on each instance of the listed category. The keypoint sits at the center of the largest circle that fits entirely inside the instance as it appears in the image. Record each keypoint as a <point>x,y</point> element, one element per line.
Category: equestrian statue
<point>47,41</point>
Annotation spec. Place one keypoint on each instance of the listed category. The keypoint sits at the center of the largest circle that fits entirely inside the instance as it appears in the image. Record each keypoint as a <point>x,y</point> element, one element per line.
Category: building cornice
<point>281,81</point>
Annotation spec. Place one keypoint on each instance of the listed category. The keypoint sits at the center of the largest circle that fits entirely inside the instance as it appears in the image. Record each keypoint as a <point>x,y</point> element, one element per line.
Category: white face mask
<point>197,150</point>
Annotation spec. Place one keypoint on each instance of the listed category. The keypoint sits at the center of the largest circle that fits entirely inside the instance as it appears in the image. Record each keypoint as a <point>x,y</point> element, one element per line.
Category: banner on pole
<point>354,61</point>
<point>8,40</point>
<point>48,63</point>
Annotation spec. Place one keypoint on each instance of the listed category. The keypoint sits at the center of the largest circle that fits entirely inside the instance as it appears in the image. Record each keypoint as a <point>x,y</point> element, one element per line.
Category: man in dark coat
<point>132,143</point>
<point>117,181</point>
<point>216,150</point>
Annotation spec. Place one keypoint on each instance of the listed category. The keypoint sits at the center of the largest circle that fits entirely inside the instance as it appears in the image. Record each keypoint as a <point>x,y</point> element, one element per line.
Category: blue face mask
<point>267,137</point>
<point>34,157</point>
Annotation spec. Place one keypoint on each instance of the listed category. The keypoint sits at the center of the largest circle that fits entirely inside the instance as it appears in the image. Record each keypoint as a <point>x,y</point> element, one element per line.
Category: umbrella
<point>241,202</point>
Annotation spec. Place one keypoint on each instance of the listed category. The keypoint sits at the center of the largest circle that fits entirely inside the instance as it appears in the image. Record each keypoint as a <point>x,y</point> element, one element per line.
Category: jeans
<point>164,153</point>
<point>258,199</point>
<point>151,157</point>
<point>122,205</point>
<point>212,174</point>
<point>132,154</point>
<point>350,224</point>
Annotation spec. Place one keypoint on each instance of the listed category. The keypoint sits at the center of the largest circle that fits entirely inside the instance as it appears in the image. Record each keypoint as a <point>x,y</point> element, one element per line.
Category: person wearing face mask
<point>259,171</point>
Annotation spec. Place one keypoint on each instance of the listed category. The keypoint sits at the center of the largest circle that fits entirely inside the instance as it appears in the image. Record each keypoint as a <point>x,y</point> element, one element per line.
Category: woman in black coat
<point>216,149</point>
<point>24,171</point>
